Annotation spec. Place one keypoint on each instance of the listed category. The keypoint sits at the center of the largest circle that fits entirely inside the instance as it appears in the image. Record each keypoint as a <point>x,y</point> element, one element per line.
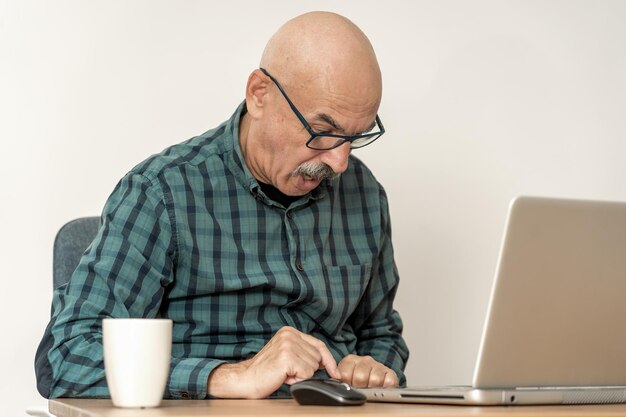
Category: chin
<point>290,189</point>
<point>294,192</point>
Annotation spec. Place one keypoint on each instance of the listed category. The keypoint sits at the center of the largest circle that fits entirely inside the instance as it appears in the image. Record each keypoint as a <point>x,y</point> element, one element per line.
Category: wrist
<point>228,381</point>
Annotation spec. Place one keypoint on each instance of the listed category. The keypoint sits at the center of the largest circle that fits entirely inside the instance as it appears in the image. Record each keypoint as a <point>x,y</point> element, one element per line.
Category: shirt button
<point>290,214</point>
<point>299,267</point>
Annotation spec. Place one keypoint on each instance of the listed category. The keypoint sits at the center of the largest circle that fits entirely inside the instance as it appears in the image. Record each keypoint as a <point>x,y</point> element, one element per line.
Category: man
<point>264,240</point>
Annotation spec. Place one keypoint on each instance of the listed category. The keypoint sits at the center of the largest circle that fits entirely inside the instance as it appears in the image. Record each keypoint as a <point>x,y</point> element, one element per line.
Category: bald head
<point>324,48</point>
<point>328,69</point>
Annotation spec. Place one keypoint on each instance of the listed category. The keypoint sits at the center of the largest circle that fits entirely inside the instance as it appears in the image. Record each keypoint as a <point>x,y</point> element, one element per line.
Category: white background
<point>483,100</point>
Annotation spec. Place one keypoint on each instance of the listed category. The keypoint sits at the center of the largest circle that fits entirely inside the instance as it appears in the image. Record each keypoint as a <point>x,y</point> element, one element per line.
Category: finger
<point>327,361</point>
<point>301,365</point>
<point>303,362</point>
<point>377,376</point>
<point>286,354</point>
<point>391,380</point>
<point>292,380</point>
<point>330,365</point>
<point>299,375</point>
<point>361,374</point>
<point>295,348</point>
<point>346,369</point>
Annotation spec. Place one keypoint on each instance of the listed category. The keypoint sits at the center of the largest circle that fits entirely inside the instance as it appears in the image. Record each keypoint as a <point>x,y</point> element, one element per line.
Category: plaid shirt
<point>189,235</point>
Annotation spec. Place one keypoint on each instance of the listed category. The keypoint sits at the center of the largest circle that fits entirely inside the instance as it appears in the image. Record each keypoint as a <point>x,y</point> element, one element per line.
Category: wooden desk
<point>288,407</point>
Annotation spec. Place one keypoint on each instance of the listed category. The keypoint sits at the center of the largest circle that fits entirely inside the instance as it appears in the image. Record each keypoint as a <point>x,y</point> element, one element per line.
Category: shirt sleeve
<point>125,272</point>
<point>377,325</point>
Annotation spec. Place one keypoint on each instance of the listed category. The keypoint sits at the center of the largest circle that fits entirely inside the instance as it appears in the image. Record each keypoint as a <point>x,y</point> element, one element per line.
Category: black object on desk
<point>325,392</point>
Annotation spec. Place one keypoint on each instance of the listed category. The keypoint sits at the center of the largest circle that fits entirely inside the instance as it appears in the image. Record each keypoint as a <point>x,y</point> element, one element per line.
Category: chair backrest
<point>69,245</point>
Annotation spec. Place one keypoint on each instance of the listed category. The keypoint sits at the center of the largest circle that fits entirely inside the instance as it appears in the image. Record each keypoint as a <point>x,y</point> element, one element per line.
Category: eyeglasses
<point>326,141</point>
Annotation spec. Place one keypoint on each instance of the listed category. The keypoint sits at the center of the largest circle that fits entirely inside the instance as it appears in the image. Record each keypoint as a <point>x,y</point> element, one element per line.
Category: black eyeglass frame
<point>343,138</point>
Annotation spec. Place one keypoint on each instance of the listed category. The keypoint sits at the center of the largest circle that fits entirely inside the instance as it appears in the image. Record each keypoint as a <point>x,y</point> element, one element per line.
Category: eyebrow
<point>328,119</point>
<point>372,126</point>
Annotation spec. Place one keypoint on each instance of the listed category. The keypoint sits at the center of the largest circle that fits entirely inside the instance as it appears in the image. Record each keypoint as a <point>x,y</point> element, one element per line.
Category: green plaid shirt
<point>189,235</point>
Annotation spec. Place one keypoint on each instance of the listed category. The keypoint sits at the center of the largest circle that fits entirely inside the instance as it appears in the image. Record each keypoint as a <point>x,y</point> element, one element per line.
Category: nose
<point>337,158</point>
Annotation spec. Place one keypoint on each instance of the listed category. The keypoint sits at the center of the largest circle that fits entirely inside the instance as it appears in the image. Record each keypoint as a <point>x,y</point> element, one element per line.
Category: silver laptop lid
<point>558,304</point>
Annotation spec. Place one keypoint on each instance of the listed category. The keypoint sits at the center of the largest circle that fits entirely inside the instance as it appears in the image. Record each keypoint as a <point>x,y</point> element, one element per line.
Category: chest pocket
<point>337,292</point>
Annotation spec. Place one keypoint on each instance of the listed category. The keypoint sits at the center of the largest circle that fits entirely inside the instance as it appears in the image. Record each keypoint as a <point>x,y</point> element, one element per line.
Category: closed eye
<point>323,131</point>
<point>369,129</point>
<point>329,121</point>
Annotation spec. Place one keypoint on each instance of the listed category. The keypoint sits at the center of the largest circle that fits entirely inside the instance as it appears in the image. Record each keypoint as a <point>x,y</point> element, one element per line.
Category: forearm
<point>225,380</point>
<point>189,378</point>
<point>288,357</point>
<point>383,341</point>
<point>123,274</point>
<point>71,372</point>
<point>69,361</point>
<point>377,325</point>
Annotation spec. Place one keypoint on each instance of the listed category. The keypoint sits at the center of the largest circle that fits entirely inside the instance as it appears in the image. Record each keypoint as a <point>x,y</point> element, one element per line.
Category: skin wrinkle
<point>328,68</point>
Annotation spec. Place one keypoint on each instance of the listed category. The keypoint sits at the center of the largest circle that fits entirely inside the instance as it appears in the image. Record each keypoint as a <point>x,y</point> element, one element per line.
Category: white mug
<point>136,360</point>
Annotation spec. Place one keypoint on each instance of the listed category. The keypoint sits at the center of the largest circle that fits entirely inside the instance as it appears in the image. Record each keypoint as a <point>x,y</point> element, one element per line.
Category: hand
<point>364,372</point>
<point>290,356</point>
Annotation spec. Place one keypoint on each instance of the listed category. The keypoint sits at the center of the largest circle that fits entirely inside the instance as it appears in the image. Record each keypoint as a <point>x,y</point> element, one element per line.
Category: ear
<point>256,93</point>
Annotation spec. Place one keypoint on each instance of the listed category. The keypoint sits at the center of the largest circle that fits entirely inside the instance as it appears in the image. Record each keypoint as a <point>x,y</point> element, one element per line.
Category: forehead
<point>339,107</point>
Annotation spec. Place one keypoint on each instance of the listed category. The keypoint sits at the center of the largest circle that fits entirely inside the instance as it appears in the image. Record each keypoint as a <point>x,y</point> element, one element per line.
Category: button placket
<point>289,214</point>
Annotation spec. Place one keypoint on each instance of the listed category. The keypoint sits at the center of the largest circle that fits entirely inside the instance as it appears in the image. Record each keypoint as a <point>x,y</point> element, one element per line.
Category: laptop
<point>555,331</point>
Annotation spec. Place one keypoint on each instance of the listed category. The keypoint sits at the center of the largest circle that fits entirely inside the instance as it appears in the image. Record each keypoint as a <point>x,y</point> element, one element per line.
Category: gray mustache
<point>317,171</point>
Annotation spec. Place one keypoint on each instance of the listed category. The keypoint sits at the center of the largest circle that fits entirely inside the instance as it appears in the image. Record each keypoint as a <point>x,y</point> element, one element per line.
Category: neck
<point>247,147</point>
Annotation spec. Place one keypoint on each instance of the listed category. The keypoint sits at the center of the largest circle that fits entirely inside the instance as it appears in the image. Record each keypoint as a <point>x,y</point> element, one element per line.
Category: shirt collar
<point>238,167</point>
